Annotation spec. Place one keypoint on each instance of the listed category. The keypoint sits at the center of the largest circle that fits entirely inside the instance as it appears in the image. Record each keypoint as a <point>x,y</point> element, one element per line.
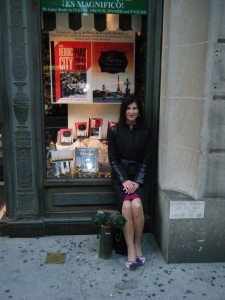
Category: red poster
<point>71,63</point>
<point>92,67</point>
<point>113,71</point>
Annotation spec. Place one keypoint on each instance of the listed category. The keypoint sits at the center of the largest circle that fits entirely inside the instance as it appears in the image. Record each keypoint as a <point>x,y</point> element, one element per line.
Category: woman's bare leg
<point>128,230</point>
<point>138,223</point>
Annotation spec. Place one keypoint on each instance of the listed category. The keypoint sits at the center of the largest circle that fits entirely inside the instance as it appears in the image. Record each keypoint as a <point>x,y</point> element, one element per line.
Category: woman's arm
<point>143,167</point>
<point>116,167</point>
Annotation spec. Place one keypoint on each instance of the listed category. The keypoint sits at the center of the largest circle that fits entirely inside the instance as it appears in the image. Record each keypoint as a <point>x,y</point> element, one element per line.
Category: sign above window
<point>130,7</point>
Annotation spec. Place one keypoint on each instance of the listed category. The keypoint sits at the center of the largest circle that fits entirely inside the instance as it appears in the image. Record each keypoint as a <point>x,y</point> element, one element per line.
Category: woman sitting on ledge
<point>129,157</point>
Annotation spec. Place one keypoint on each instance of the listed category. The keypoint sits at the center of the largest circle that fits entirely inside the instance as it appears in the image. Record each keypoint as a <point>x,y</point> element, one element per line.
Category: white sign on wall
<point>187,209</point>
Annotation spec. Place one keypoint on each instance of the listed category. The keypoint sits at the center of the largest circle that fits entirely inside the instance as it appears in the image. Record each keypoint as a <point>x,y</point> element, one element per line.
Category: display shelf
<point>78,182</point>
<point>83,159</point>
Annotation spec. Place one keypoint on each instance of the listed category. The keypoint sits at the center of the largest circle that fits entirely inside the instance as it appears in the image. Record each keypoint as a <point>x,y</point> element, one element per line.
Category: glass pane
<point>86,74</point>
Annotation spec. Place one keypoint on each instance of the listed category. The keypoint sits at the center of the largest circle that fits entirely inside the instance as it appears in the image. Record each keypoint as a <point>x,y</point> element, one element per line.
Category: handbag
<point>120,245</point>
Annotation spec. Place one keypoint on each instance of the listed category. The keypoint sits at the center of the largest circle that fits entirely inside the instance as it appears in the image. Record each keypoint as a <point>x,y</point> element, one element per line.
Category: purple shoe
<point>132,266</point>
<point>140,260</point>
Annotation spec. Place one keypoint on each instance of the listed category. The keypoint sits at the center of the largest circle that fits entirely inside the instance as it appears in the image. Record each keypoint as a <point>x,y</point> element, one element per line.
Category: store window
<point>91,60</point>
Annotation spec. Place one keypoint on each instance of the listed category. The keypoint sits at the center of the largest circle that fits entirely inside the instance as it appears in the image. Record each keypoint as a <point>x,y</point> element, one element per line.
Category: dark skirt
<point>120,194</point>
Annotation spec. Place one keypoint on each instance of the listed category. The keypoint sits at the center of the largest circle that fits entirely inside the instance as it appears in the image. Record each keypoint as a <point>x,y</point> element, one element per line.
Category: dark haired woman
<point>129,156</point>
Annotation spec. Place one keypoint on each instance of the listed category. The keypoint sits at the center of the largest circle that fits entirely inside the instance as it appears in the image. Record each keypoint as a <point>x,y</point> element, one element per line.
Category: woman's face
<point>132,113</point>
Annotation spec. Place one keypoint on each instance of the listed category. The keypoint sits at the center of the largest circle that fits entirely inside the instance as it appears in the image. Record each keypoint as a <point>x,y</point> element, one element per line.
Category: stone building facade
<point>188,123</point>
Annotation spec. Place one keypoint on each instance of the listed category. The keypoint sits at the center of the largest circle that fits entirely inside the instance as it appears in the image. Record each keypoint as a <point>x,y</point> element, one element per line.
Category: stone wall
<point>191,193</point>
<point>212,170</point>
<point>182,100</point>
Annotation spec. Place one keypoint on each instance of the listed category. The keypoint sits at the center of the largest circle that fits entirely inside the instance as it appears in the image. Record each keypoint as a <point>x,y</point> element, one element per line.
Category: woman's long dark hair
<point>128,99</point>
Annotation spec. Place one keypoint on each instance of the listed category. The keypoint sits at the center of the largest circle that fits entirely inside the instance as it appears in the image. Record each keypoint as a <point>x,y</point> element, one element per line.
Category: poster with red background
<point>92,67</point>
<point>112,71</point>
<point>71,69</point>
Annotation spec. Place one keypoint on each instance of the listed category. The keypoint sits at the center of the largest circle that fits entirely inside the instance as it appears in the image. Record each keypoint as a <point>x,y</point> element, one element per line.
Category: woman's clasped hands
<point>130,187</point>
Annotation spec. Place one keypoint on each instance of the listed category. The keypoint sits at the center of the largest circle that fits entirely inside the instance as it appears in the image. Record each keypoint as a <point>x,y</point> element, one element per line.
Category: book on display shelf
<point>86,160</point>
<point>95,128</point>
<point>62,161</point>
<point>65,137</point>
<point>81,129</point>
<point>62,167</point>
<point>61,155</point>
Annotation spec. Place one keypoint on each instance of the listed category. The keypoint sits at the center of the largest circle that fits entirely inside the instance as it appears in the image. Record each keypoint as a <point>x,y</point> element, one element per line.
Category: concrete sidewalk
<point>84,276</point>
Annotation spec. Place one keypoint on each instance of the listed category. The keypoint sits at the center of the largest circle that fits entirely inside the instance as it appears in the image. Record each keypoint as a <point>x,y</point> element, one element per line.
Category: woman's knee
<point>137,208</point>
<point>127,208</point>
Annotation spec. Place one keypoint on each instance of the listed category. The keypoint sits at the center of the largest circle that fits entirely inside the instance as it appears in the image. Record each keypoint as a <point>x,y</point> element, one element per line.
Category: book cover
<point>61,155</point>
<point>113,69</point>
<point>62,167</point>
<point>86,160</point>
<point>95,128</point>
<point>65,137</point>
<point>62,161</point>
<point>81,129</point>
<point>70,66</point>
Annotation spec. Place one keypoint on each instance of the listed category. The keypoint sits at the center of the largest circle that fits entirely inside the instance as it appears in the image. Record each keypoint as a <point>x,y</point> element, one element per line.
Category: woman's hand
<point>136,185</point>
<point>130,187</point>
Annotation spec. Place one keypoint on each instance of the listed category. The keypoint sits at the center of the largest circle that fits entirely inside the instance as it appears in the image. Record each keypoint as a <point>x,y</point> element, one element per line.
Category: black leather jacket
<point>129,153</point>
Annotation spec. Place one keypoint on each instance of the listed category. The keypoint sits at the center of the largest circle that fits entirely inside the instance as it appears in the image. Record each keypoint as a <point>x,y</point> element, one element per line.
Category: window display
<point>85,158</point>
<point>86,75</point>
<point>91,67</point>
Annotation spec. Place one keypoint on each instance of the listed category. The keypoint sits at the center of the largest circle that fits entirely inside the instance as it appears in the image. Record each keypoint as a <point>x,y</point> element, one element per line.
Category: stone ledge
<point>25,228</point>
<point>39,228</point>
<point>190,239</point>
